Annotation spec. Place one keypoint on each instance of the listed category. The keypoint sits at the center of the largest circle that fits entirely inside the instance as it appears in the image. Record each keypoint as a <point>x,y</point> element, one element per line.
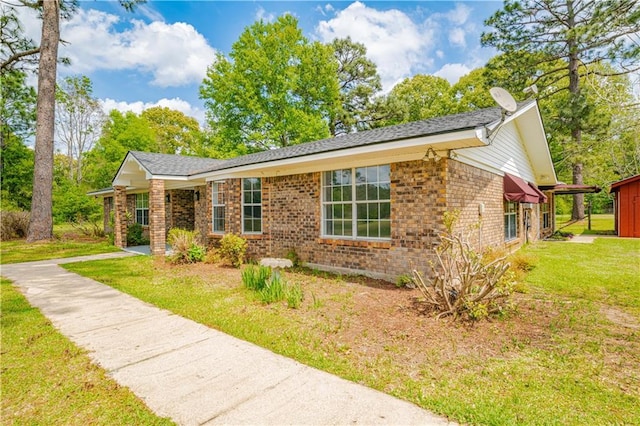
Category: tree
<point>574,36</point>
<point>419,98</point>
<point>79,120</point>
<point>175,132</point>
<point>277,89</point>
<point>121,133</point>
<point>359,83</point>
<point>41,221</point>
<point>16,173</point>
<point>16,50</point>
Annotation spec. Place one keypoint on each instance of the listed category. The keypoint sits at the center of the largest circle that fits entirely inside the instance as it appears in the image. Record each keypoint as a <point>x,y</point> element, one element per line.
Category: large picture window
<point>356,203</point>
<point>510,220</point>
<point>251,205</point>
<point>218,207</point>
<point>142,209</point>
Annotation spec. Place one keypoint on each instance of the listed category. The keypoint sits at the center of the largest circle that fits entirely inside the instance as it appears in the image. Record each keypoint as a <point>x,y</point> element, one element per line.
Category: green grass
<point>601,224</point>
<point>571,365</point>
<point>20,251</point>
<point>46,379</point>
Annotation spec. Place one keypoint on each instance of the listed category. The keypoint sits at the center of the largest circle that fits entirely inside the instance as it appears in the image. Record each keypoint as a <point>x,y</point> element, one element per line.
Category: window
<point>545,221</point>
<point>142,208</point>
<point>251,205</point>
<point>356,203</point>
<point>510,220</point>
<point>218,203</point>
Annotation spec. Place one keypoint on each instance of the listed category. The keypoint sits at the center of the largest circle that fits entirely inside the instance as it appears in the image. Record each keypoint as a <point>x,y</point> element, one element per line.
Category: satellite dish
<point>504,99</point>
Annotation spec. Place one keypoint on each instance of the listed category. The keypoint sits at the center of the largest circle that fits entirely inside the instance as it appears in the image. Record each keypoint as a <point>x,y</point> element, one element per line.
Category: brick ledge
<point>354,243</point>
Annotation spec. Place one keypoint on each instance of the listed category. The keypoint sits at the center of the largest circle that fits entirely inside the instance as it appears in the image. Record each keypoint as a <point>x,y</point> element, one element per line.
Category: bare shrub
<point>464,284</point>
<point>185,246</point>
<point>13,225</point>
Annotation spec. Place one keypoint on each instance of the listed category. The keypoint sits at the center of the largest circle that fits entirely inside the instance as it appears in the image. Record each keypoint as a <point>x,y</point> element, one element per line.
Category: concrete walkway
<point>193,374</point>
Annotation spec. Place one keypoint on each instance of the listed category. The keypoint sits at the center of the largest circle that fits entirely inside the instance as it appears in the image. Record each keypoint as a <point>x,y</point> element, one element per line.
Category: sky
<point>159,54</point>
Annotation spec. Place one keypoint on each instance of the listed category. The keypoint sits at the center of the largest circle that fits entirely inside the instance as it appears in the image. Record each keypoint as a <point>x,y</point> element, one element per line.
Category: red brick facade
<point>421,192</point>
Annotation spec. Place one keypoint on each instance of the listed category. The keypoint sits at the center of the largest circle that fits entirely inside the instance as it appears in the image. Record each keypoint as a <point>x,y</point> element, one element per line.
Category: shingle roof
<point>174,165</point>
<point>177,165</point>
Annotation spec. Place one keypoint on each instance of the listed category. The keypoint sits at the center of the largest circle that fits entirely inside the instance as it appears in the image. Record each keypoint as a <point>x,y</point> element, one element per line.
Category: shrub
<point>405,280</point>
<point>464,283</point>
<point>292,255</point>
<point>135,235</point>
<point>274,290</point>
<point>185,246</point>
<point>212,257</point>
<point>233,249</point>
<point>13,225</point>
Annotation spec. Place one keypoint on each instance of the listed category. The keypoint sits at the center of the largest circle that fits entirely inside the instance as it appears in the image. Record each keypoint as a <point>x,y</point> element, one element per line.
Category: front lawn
<point>601,224</point>
<point>47,380</point>
<point>15,251</point>
<point>569,355</point>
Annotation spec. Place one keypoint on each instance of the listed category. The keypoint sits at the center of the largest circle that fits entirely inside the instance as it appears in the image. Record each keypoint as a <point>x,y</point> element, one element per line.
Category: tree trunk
<point>577,212</point>
<point>41,222</point>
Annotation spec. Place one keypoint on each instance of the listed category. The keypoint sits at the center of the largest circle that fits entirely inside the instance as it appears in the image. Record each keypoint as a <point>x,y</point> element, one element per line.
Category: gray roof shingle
<point>177,165</point>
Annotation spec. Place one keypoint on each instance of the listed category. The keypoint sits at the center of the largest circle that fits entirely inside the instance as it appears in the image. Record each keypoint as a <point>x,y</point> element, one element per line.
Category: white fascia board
<point>537,147</point>
<point>101,193</point>
<point>386,152</point>
<point>123,170</point>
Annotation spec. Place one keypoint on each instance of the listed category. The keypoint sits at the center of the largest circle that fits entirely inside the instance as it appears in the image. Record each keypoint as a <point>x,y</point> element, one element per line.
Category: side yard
<point>569,354</point>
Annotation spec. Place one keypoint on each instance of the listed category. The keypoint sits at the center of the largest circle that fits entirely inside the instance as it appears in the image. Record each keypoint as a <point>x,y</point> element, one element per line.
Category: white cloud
<point>175,103</point>
<point>263,15</point>
<point>453,72</point>
<point>457,37</point>
<point>394,42</point>
<point>174,54</point>
<point>459,15</point>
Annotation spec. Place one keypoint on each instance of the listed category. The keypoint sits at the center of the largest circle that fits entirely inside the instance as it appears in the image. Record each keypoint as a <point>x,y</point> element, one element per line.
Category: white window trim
<point>142,209</point>
<point>218,205</point>
<point>354,210</point>
<point>243,204</point>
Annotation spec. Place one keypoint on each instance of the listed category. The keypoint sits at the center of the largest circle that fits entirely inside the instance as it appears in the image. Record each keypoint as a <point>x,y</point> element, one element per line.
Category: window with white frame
<point>510,220</point>
<point>218,207</point>
<point>545,219</point>
<point>356,203</point>
<point>251,205</point>
<point>142,209</point>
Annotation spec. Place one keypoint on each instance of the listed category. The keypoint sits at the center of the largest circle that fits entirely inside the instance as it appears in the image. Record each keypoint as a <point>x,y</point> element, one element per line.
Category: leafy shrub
<point>256,277</point>
<point>405,280</point>
<point>212,257</point>
<point>135,235</point>
<point>464,283</point>
<point>13,225</point>
<point>233,249</point>
<point>185,246</point>
<point>292,255</point>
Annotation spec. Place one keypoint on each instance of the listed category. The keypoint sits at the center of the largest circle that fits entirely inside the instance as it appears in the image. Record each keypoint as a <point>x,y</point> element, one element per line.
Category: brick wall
<point>180,209</point>
<point>467,188</point>
<point>157,227</point>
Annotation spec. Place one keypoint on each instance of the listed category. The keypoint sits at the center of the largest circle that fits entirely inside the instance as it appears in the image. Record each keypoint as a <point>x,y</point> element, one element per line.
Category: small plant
<point>405,280</point>
<point>212,257</point>
<point>292,255</point>
<point>274,290</point>
<point>233,249</point>
<point>135,235</point>
<point>185,246</point>
<point>294,296</point>
<point>255,277</point>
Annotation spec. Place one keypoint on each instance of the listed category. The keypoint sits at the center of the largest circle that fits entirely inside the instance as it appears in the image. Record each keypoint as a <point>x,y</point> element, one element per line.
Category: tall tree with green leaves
<point>79,119</point>
<point>359,84</point>
<point>176,133</point>
<point>574,36</point>
<point>41,220</point>
<point>276,89</point>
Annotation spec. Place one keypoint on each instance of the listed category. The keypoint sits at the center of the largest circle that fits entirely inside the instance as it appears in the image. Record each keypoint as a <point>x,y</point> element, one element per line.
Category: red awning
<point>516,189</point>
<point>541,196</point>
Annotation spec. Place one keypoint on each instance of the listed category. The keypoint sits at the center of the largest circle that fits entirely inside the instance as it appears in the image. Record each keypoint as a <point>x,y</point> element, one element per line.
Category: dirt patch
<point>620,317</point>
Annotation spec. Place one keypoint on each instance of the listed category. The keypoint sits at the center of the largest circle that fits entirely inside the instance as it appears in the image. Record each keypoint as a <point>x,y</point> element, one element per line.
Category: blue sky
<point>159,54</point>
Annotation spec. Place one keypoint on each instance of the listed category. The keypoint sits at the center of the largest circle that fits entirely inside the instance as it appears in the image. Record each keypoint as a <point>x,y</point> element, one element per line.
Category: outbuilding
<point>627,206</point>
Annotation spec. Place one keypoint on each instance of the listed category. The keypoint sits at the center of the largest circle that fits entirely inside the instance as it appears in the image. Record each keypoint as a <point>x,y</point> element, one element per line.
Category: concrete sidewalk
<point>191,373</point>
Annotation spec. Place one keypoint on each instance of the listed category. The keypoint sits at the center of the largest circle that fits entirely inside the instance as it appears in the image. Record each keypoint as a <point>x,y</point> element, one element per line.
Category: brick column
<point>157,231</point>
<point>120,216</point>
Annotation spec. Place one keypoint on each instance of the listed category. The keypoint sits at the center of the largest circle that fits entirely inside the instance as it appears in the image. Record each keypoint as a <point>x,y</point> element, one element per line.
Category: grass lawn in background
<point>569,354</point>
<point>46,379</point>
<point>601,224</point>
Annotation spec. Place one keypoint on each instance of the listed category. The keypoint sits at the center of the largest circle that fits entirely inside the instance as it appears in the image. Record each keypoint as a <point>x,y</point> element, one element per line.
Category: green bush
<point>274,291</point>
<point>233,249</point>
<point>185,246</point>
<point>135,235</point>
